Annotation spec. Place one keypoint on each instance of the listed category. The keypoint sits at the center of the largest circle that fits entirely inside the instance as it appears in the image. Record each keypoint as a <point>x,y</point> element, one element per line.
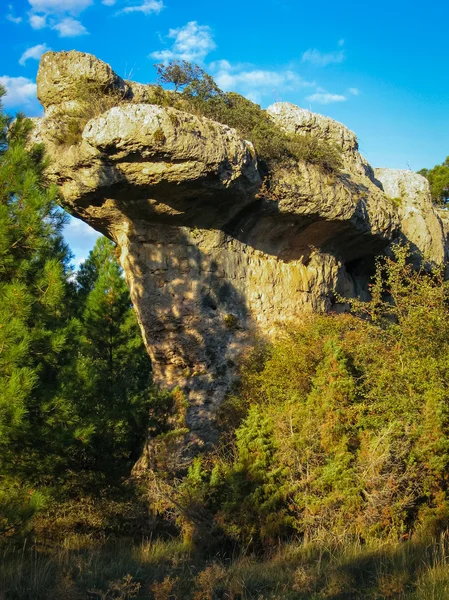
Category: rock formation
<point>211,257</point>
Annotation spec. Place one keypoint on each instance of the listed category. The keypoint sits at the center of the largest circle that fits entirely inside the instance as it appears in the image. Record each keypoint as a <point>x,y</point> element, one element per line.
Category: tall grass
<point>168,570</point>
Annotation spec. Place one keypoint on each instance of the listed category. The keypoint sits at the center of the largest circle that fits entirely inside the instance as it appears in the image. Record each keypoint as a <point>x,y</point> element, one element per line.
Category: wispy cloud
<point>37,21</point>
<point>322,59</point>
<point>10,15</point>
<point>70,27</point>
<point>147,7</point>
<point>34,52</point>
<point>192,42</point>
<point>20,92</point>
<point>325,98</point>
<point>256,84</point>
<point>74,7</point>
<point>58,15</point>
<point>81,239</point>
<point>354,91</point>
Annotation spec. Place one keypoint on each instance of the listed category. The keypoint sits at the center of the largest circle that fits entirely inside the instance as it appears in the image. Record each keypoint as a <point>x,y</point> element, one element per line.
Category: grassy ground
<point>168,570</point>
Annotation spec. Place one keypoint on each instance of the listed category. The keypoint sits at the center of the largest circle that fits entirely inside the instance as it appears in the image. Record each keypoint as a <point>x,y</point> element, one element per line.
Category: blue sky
<point>380,68</point>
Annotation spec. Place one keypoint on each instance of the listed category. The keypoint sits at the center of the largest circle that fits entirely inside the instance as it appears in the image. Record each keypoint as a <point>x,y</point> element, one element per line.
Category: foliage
<point>111,376</point>
<point>201,96</point>
<point>344,430</point>
<point>75,380</point>
<point>18,506</point>
<point>166,570</point>
<point>34,328</point>
<point>272,145</point>
<point>4,121</point>
<point>439,181</point>
<point>182,74</point>
<point>179,73</point>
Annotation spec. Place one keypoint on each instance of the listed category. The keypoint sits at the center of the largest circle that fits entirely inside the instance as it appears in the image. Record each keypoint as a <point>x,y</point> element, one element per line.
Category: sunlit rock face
<point>211,257</point>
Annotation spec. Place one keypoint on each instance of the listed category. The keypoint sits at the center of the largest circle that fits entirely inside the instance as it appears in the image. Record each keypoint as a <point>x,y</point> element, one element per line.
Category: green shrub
<point>272,145</point>
<point>18,506</point>
<point>201,96</point>
<point>343,429</point>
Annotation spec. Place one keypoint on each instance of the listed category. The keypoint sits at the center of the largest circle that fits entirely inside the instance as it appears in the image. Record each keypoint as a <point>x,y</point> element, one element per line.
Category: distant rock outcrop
<point>211,256</point>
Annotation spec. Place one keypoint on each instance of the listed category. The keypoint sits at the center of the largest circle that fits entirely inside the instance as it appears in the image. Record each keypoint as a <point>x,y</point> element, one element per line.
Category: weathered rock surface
<point>420,223</point>
<point>211,257</point>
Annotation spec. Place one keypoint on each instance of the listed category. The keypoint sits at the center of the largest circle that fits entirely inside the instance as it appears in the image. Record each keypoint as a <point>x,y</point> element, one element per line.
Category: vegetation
<point>75,380</point>
<point>341,428</point>
<point>169,570</point>
<point>191,77</point>
<point>439,181</point>
<point>92,100</point>
<point>201,96</point>
<point>331,477</point>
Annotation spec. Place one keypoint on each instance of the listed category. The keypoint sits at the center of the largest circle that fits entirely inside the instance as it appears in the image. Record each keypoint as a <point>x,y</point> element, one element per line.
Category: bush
<point>18,506</point>
<point>272,145</point>
<point>438,178</point>
<point>201,96</point>
<point>344,430</point>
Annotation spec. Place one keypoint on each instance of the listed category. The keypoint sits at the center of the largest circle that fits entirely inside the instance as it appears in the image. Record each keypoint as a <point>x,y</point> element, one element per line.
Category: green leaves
<point>202,96</point>
<point>74,374</point>
<point>344,422</point>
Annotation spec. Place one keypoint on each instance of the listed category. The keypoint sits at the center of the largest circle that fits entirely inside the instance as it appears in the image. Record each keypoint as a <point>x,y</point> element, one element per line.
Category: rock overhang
<point>200,235</point>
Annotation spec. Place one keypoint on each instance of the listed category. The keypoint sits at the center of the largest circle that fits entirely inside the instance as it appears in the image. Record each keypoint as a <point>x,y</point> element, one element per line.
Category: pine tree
<point>113,369</point>
<point>34,326</point>
<point>33,284</point>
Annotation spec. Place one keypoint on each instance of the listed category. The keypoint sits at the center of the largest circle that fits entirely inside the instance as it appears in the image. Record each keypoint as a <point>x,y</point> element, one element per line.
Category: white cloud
<point>59,6</point>
<point>14,19</point>
<point>37,21</point>
<point>255,84</point>
<point>354,91</point>
<point>192,42</point>
<point>10,16</point>
<point>256,78</point>
<point>325,98</point>
<point>147,7</point>
<point>58,15</point>
<point>20,92</point>
<point>108,2</point>
<point>79,230</point>
<point>69,27</point>
<point>321,59</point>
<point>341,42</point>
<point>34,52</point>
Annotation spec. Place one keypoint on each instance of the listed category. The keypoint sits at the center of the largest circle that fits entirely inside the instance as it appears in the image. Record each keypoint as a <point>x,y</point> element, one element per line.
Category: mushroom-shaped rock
<point>212,254</point>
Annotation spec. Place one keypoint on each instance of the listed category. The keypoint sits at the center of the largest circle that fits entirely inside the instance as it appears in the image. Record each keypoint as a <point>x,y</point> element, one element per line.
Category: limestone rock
<point>294,119</point>
<point>212,255</point>
<point>140,93</point>
<point>60,73</point>
<point>420,223</point>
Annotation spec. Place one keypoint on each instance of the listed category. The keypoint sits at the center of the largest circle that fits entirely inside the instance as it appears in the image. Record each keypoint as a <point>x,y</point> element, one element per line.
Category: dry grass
<point>166,570</point>
<point>92,100</point>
